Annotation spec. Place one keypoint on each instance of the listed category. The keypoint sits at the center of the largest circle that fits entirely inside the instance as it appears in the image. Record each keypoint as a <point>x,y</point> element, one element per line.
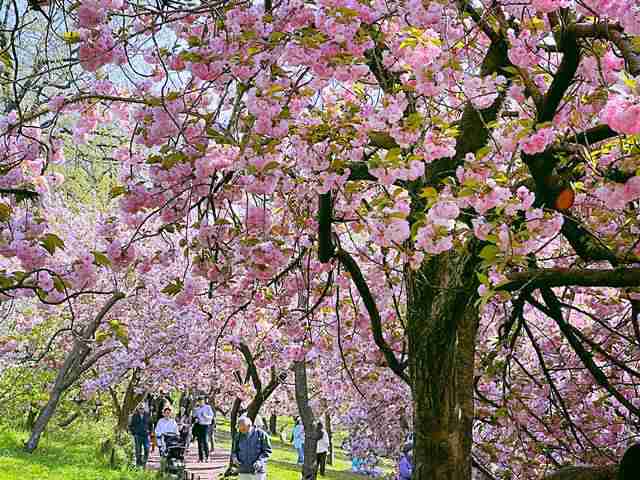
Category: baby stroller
<point>173,455</point>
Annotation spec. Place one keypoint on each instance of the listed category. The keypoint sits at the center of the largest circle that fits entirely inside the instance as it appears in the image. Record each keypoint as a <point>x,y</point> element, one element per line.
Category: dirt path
<point>210,470</point>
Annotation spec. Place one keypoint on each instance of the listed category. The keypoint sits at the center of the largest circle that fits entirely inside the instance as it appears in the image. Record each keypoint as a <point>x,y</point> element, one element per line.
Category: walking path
<point>210,470</point>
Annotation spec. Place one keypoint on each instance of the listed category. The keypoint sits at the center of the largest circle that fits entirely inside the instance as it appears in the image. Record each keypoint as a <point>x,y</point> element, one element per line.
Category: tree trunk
<point>123,409</point>
<point>273,424</point>
<point>308,420</point>
<point>31,416</point>
<point>43,419</point>
<point>235,409</point>
<point>327,425</point>
<point>441,329</point>
<point>76,362</point>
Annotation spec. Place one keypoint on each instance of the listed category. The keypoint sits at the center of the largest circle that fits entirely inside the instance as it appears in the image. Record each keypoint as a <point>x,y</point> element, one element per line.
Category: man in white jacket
<point>204,417</point>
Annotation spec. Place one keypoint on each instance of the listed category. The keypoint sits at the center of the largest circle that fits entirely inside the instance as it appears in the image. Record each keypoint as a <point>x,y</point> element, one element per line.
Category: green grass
<point>69,455</point>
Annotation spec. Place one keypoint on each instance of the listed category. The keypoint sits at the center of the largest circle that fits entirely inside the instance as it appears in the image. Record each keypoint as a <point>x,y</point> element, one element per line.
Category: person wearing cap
<point>204,417</point>
<point>140,428</point>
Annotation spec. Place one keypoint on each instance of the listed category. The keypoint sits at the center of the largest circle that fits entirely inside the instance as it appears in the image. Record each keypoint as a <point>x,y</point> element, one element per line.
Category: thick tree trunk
<point>441,328</point>
<point>235,409</point>
<point>327,426</point>
<point>308,420</point>
<point>43,419</point>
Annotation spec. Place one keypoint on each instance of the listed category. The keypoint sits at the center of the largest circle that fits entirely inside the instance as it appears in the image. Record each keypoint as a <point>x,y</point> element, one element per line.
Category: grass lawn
<point>61,456</point>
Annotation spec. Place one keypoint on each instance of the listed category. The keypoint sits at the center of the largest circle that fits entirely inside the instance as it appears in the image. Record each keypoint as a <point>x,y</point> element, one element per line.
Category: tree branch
<point>562,277</point>
<point>374,315</point>
<point>325,244</point>
<point>593,135</point>
<point>251,367</point>
<point>563,77</point>
<point>554,310</point>
<point>615,34</point>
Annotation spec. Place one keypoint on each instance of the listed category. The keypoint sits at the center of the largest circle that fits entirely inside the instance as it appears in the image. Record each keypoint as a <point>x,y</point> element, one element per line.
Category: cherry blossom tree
<point>465,173</point>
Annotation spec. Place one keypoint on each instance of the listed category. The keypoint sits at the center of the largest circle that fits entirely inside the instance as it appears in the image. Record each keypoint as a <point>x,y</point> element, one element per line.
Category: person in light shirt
<point>165,425</point>
<point>204,417</point>
<point>322,448</point>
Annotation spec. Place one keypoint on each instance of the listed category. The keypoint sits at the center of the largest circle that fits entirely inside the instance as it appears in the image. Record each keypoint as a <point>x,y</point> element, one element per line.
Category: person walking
<point>204,417</point>
<point>322,448</point>
<point>165,425</point>
<point>140,428</point>
<point>251,450</point>
<point>184,421</point>
<point>298,439</point>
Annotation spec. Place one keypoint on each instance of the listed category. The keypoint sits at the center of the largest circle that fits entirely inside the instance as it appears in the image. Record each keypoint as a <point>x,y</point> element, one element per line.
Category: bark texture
<point>308,420</point>
<point>442,323</point>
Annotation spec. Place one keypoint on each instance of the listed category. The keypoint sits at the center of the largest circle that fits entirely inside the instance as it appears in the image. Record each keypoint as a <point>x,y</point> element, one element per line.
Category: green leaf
<point>489,252</point>
<point>100,259</point>
<point>101,336</point>
<point>117,190</point>
<point>172,159</point>
<point>483,152</point>
<point>5,212</point>
<point>393,155</point>
<point>428,192</point>
<point>71,37</point>
<point>6,60</point>
<point>51,241</point>
<point>511,70</point>
<point>173,288</point>
<point>270,166</point>
<point>482,278</point>
<point>5,282</point>
<point>194,41</point>
<point>59,284</point>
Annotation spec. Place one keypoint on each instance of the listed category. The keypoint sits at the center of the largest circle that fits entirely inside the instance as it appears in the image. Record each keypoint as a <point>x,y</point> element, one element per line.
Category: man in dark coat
<point>251,451</point>
<point>140,427</point>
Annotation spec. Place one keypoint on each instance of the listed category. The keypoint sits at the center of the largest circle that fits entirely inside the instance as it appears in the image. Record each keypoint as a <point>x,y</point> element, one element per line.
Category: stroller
<point>173,455</point>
